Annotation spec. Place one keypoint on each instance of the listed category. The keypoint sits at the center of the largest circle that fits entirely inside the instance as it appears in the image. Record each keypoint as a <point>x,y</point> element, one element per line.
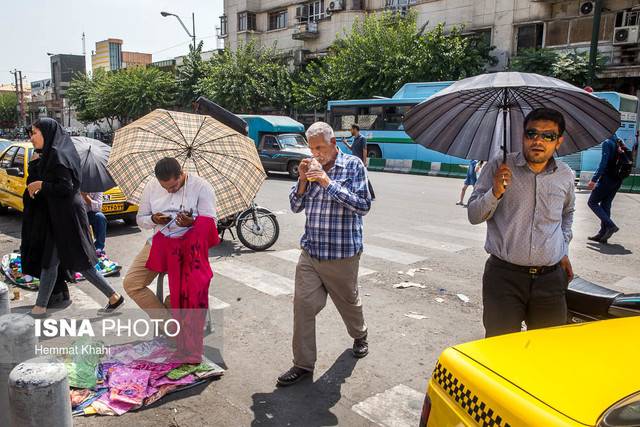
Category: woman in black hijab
<point>67,238</point>
<point>34,226</point>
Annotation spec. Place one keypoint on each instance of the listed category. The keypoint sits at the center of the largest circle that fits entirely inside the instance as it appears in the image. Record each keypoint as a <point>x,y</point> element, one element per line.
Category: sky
<point>31,28</point>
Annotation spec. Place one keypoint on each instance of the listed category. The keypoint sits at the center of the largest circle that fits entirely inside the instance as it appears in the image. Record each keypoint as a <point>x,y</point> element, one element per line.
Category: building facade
<point>136,59</point>
<point>107,56</point>
<point>305,29</point>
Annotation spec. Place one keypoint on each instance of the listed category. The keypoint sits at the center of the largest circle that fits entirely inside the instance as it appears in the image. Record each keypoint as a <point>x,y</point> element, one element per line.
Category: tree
<point>8,110</point>
<point>188,75</point>
<point>570,66</point>
<point>383,52</point>
<point>538,61</point>
<point>125,95</point>
<point>250,80</point>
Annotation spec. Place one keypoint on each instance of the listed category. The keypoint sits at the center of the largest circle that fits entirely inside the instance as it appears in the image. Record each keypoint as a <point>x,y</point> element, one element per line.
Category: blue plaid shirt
<point>333,229</point>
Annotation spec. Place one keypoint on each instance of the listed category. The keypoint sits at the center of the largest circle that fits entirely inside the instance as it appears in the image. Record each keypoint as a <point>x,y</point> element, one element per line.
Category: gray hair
<point>321,128</point>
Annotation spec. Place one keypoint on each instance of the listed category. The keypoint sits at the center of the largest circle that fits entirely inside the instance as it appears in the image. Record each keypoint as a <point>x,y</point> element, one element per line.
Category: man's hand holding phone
<point>160,218</point>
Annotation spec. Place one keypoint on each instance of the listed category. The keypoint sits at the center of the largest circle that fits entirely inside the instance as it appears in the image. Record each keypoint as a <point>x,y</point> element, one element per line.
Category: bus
<point>380,121</point>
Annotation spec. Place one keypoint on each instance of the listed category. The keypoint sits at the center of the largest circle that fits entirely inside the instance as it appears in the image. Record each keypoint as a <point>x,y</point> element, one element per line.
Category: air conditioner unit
<point>626,35</point>
<point>335,6</point>
<point>302,11</point>
<point>586,8</point>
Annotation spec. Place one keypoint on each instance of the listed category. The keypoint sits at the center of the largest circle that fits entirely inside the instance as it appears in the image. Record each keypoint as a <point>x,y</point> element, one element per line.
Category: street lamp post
<point>193,25</point>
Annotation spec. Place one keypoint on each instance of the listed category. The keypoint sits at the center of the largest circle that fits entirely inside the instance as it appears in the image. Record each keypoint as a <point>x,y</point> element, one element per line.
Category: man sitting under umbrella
<point>528,204</point>
<point>169,205</point>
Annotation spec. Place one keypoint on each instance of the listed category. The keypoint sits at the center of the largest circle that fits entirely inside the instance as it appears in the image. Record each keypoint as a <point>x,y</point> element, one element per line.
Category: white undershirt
<point>196,194</point>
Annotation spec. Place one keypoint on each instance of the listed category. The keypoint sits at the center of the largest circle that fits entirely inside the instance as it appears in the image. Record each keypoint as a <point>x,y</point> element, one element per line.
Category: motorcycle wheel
<point>258,235</point>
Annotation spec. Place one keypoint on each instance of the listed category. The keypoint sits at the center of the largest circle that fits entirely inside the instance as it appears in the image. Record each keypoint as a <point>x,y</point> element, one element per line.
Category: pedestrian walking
<point>471,179</point>
<point>528,204</point>
<point>67,239</point>
<point>97,220</point>
<point>334,199</point>
<point>33,237</point>
<point>358,148</point>
<point>605,185</point>
<point>169,205</point>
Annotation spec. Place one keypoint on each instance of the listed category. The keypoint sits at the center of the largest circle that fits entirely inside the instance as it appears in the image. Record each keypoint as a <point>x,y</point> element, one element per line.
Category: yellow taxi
<point>13,177</point>
<point>579,375</point>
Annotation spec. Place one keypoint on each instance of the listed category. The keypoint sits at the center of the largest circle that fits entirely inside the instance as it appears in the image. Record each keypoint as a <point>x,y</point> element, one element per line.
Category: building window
<point>316,10</point>
<point>529,36</point>
<point>224,27</point>
<point>278,20</point>
<point>246,21</point>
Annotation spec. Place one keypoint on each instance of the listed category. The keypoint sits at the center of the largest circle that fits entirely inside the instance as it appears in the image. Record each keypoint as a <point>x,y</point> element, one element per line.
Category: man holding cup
<point>332,190</point>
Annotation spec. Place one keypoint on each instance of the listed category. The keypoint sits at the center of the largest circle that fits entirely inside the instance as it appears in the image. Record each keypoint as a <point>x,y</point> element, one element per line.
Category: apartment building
<point>305,29</point>
<point>109,56</point>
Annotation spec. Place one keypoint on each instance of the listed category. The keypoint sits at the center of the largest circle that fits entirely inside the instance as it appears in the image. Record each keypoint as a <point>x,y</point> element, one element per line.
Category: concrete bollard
<point>4,299</point>
<point>39,394</point>
<point>17,344</point>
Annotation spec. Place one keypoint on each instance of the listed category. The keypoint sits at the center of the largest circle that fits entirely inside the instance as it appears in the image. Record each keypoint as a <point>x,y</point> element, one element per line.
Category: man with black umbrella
<point>528,204</point>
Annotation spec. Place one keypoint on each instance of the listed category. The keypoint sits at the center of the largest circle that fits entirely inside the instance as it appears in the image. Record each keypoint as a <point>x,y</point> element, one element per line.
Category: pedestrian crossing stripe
<point>261,280</point>
<point>392,255</point>
<point>399,406</point>
<point>478,236</point>
<point>421,241</point>
<point>292,255</point>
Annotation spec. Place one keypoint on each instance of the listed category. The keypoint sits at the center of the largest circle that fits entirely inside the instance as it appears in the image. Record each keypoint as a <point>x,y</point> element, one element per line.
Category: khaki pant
<point>314,280</point>
<point>136,284</point>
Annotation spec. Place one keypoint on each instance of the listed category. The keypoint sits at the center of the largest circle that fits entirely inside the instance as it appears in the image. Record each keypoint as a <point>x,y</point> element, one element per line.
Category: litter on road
<point>440,300</point>
<point>405,285</point>
<point>416,316</point>
<point>463,298</point>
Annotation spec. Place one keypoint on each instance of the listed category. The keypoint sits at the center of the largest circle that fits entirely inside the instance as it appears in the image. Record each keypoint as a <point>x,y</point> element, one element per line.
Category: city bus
<point>380,121</point>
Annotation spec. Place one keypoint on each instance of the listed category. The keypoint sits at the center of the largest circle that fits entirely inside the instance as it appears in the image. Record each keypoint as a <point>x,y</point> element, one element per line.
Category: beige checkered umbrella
<point>204,146</point>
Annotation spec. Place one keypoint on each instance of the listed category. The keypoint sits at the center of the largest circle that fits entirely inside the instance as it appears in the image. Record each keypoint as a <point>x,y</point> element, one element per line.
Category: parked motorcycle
<point>257,227</point>
<point>587,301</point>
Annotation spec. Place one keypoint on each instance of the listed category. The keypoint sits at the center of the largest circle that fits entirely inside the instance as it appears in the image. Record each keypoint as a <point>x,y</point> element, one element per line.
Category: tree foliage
<point>8,110</point>
<point>125,95</point>
<point>251,79</point>
<point>570,66</point>
<point>189,75</point>
<point>385,51</point>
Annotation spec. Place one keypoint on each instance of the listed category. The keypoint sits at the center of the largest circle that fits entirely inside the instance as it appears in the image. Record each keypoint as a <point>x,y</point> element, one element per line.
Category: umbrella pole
<point>505,112</point>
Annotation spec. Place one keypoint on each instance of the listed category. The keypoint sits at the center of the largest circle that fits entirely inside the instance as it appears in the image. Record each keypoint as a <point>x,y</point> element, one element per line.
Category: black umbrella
<point>94,156</point>
<point>476,117</point>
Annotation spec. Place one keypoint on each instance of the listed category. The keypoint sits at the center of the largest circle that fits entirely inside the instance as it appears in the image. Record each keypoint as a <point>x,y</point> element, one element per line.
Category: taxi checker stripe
<point>468,401</point>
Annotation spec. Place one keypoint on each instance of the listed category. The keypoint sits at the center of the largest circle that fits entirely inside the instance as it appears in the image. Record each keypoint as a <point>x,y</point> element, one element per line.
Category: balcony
<point>306,31</point>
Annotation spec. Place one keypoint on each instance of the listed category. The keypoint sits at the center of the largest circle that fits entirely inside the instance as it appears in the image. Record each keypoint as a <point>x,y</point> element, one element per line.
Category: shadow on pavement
<point>230,247</point>
<point>117,228</point>
<point>609,249</point>
<point>306,403</point>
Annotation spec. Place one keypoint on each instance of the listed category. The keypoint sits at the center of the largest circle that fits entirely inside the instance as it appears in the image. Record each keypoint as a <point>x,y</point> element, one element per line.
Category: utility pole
<point>15,75</point>
<point>23,112</point>
<point>595,35</point>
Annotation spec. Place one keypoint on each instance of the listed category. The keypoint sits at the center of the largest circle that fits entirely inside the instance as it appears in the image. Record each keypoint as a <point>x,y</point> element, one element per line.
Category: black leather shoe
<point>110,308</point>
<point>360,347</point>
<point>608,233</point>
<point>292,376</point>
<point>595,238</point>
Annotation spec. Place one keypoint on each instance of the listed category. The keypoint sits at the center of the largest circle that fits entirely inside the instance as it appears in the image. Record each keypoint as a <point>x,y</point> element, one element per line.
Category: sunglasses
<point>544,136</point>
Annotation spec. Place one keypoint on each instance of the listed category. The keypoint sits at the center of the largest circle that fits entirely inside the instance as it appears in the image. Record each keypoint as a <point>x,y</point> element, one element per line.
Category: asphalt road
<point>413,224</point>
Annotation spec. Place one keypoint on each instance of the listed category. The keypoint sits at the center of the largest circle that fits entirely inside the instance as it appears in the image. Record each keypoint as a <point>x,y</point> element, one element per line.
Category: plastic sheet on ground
<point>131,377</point>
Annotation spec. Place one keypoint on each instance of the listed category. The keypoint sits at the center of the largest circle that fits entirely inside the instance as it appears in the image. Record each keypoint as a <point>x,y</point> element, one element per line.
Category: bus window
<point>342,117</point>
<point>370,118</point>
<point>393,116</point>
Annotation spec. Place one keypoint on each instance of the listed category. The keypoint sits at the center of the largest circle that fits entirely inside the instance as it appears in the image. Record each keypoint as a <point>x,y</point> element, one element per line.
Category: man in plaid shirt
<point>334,199</point>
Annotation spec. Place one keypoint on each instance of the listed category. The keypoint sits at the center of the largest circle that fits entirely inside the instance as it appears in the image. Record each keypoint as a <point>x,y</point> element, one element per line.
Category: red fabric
<point>185,259</point>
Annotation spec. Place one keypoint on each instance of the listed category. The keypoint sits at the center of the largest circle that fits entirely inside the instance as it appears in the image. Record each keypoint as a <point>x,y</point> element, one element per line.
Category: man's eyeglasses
<point>544,136</point>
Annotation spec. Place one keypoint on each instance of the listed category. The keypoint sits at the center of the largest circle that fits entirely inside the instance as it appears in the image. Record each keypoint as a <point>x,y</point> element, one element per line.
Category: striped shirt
<point>333,228</point>
<point>531,224</point>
